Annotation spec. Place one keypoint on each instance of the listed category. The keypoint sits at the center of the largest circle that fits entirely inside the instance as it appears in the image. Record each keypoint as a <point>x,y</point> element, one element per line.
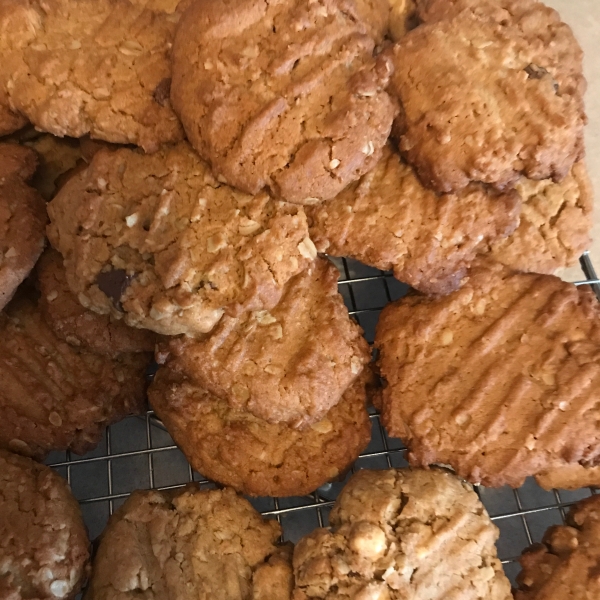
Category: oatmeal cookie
<point>277,460</point>
<point>9,121</point>
<point>399,534</point>
<point>288,365</point>
<point>509,365</point>
<point>565,564</point>
<point>554,227</point>
<point>390,221</point>
<point>44,548</point>
<point>284,95</point>
<point>488,100</point>
<point>77,325</point>
<point>90,66</point>
<point>54,396</point>
<point>189,544</point>
<point>157,241</point>
<point>22,219</point>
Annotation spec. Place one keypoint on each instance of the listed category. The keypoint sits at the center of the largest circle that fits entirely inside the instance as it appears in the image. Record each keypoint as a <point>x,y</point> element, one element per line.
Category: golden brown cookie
<point>90,66</point>
<point>81,327</point>
<point>554,227</point>
<point>509,366</point>
<point>22,219</point>
<point>277,460</point>
<point>287,365</point>
<point>488,99</point>
<point>399,534</point>
<point>44,548</point>
<point>9,121</point>
<point>388,220</point>
<point>565,564</point>
<point>284,95</point>
<point>54,396</point>
<point>403,18</point>
<point>157,241</point>
<point>188,544</point>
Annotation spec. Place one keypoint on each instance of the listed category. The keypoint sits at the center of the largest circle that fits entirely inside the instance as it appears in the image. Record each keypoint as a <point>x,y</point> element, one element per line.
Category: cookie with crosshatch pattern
<point>157,241</point>
<point>287,365</point>
<point>402,533</point>
<point>190,543</point>
<point>565,564</point>
<point>509,366</point>
<point>284,95</point>
<point>44,547</point>
<point>277,460</point>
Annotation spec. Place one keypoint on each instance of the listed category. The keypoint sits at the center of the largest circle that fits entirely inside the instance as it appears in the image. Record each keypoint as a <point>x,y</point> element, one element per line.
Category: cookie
<point>157,241</point>
<point>22,219</point>
<point>402,534</point>
<point>288,365</point>
<point>90,66</point>
<point>277,460</point>
<point>284,95</point>
<point>44,548</point>
<point>403,18</point>
<point>390,221</point>
<point>190,543</point>
<point>81,327</point>
<point>9,121</point>
<point>509,366</point>
<point>554,227</point>
<point>565,564</point>
<point>54,396</point>
<point>487,101</point>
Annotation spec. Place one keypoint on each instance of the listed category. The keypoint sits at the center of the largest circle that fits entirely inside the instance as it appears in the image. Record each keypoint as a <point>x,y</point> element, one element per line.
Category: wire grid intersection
<point>138,453</point>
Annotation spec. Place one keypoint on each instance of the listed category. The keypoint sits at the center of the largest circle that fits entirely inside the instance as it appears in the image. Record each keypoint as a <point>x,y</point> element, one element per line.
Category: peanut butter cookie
<point>44,548</point>
<point>402,534</point>
<point>509,365</point>
<point>284,95</point>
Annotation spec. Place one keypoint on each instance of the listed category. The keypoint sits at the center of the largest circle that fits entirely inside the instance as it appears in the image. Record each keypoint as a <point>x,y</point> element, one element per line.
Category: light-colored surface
<point>584,17</point>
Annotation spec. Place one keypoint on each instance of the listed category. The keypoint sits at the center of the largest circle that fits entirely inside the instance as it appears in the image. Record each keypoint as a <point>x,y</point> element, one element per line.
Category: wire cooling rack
<point>138,453</point>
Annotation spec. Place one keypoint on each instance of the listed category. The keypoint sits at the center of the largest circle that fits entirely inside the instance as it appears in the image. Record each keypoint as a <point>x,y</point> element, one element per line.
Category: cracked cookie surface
<point>488,99</point>
<point>157,241</point>
<point>43,541</point>
<point>399,534</point>
<point>555,224</point>
<point>54,396</point>
<point>565,564</point>
<point>277,460</point>
<point>190,544</point>
<point>403,18</point>
<point>77,325</point>
<point>509,365</point>
<point>90,66</point>
<point>388,220</point>
<point>284,94</point>
<point>287,365</point>
<point>22,219</point>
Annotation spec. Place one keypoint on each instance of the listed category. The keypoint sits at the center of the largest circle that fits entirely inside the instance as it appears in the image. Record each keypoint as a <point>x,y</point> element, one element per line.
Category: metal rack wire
<point>138,453</point>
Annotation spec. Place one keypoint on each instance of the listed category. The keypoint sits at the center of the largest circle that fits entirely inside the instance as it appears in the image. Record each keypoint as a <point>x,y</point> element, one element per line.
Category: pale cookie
<point>79,326</point>
<point>565,565</point>
<point>190,544</point>
<point>277,460</point>
<point>284,95</point>
<point>90,66</point>
<point>22,219</point>
<point>555,224</point>
<point>488,101</point>
<point>54,396</point>
<point>390,221</point>
<point>288,365</point>
<point>44,548</point>
<point>403,18</point>
<point>157,241</point>
<point>509,365</point>
<point>400,534</point>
